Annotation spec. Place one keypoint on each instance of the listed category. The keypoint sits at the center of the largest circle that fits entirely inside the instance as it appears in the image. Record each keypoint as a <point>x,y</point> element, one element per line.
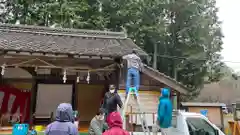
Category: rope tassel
<point>88,78</point>
<point>3,69</point>
<point>78,78</point>
<point>64,76</point>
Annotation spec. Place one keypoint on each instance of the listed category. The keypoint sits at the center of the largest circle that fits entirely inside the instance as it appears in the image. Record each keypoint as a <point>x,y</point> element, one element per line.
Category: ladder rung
<point>142,114</point>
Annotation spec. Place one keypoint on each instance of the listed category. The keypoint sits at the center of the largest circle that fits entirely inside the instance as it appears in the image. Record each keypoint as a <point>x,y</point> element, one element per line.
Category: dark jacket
<point>111,101</point>
<point>63,124</point>
<point>165,109</point>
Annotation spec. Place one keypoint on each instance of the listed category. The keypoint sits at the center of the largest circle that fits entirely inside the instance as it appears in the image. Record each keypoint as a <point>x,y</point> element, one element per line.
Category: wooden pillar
<point>118,62</point>
<point>222,119</point>
<point>117,75</point>
<point>75,96</point>
<point>178,100</point>
<point>174,99</point>
<point>33,94</point>
<point>106,85</point>
<point>33,99</point>
<point>1,78</point>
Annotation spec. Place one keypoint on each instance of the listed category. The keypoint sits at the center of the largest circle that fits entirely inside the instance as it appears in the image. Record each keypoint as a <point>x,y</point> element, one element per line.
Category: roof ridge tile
<point>64,31</point>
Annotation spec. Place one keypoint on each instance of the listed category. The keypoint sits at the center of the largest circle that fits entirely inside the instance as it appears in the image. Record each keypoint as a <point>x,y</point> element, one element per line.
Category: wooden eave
<point>162,78</point>
<point>82,64</point>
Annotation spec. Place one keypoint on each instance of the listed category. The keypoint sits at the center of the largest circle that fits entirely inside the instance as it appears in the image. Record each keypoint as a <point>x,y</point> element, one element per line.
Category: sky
<point>229,14</point>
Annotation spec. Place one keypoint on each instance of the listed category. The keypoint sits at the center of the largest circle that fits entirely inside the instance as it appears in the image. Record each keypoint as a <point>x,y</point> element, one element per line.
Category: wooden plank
<point>149,103</point>
<point>148,99</point>
<point>89,97</point>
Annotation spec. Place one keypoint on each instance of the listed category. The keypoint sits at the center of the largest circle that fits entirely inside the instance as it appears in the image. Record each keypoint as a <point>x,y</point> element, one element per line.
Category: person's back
<point>165,109</point>
<point>114,121</point>
<point>133,61</point>
<point>97,123</point>
<point>63,124</point>
<point>134,67</point>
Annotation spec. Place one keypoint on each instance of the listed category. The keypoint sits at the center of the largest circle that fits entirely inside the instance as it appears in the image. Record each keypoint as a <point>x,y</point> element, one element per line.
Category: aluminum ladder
<point>133,91</point>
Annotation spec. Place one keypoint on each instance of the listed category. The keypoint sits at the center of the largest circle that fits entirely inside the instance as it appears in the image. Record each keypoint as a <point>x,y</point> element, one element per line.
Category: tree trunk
<point>155,56</point>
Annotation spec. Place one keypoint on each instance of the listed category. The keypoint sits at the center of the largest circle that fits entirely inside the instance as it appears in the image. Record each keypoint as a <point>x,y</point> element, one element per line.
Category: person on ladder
<point>134,67</point>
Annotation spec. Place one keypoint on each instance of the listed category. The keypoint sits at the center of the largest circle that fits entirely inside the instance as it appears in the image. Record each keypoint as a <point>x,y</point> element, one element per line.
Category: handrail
<point>133,116</point>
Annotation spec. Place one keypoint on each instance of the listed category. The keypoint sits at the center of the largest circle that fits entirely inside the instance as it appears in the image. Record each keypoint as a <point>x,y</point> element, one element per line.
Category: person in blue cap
<point>164,114</point>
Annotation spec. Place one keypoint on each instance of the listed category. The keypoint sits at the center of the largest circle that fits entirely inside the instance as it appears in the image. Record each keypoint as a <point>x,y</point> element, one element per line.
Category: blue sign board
<point>204,112</point>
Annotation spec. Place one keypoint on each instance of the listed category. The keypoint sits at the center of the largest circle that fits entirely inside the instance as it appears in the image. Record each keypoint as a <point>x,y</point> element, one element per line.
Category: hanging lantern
<point>3,69</point>
<point>64,76</point>
<point>88,77</point>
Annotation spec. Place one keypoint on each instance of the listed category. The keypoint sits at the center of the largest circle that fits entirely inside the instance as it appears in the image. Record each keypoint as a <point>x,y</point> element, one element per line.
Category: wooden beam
<point>33,99</point>
<point>73,69</point>
<point>50,79</point>
<point>40,61</point>
<point>75,96</point>
<point>52,64</point>
<point>55,55</point>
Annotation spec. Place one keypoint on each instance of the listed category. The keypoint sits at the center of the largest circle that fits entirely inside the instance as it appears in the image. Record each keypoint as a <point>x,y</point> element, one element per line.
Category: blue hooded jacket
<point>63,125</point>
<point>165,109</point>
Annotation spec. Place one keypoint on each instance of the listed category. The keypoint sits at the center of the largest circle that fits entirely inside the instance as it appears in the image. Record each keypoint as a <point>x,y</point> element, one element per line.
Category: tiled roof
<point>65,41</point>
